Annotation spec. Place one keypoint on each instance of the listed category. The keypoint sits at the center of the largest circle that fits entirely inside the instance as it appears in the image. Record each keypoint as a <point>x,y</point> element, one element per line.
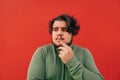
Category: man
<point>63,60</point>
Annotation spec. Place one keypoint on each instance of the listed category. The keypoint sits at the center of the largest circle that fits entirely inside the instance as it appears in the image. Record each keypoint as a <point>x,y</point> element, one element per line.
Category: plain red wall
<point>24,27</point>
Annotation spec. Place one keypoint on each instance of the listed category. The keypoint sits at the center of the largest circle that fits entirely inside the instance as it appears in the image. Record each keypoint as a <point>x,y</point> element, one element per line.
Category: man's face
<point>59,33</point>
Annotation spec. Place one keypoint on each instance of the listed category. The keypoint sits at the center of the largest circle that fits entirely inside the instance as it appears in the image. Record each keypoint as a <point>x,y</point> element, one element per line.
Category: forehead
<point>59,24</point>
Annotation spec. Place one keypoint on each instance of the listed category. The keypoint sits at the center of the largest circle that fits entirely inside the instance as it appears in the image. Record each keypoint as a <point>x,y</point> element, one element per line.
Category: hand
<point>66,52</point>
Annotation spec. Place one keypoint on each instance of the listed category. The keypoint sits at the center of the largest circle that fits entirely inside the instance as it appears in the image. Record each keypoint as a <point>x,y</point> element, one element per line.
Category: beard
<point>69,43</point>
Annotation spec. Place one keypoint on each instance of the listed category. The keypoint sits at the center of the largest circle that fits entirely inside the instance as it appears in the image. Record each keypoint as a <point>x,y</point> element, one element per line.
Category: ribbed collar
<point>57,50</point>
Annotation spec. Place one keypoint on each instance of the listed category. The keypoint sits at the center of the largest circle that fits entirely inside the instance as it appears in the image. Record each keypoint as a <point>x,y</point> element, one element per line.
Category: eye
<point>64,29</point>
<point>55,29</point>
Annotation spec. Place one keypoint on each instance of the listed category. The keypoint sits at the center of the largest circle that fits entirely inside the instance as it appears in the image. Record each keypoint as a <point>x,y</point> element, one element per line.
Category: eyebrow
<point>61,27</point>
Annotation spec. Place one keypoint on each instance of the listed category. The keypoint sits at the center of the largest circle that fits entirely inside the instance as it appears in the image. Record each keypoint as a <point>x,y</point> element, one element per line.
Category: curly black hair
<point>73,27</point>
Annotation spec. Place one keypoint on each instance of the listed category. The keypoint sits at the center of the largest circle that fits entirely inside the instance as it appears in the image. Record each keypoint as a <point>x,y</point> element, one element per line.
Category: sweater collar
<point>57,50</point>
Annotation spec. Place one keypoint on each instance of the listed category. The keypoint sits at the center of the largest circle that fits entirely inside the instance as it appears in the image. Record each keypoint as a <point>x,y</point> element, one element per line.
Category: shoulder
<point>82,50</point>
<point>42,50</point>
<point>45,47</point>
<point>79,48</point>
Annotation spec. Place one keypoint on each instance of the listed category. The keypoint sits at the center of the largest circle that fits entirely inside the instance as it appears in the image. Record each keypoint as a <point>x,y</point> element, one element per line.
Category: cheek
<point>53,36</point>
<point>68,38</point>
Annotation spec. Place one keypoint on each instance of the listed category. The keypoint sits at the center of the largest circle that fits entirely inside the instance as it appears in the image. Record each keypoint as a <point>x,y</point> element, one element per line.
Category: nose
<point>60,33</point>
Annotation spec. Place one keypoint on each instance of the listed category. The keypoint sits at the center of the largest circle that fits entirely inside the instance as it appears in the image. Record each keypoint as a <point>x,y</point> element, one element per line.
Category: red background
<point>24,27</point>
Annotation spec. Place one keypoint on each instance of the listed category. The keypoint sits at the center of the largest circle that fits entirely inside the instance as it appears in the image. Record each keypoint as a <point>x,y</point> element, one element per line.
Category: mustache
<point>59,38</point>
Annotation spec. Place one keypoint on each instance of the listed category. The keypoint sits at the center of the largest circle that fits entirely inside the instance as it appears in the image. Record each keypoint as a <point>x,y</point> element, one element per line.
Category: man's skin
<point>66,52</point>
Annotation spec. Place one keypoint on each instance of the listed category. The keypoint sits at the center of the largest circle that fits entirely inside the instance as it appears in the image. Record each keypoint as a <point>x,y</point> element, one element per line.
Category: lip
<point>59,39</point>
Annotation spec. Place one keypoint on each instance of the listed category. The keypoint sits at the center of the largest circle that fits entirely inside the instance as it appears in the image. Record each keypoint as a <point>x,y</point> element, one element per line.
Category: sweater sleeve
<point>86,71</point>
<point>36,70</point>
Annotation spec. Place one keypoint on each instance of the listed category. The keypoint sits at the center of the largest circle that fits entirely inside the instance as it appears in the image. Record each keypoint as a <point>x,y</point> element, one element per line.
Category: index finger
<point>63,44</point>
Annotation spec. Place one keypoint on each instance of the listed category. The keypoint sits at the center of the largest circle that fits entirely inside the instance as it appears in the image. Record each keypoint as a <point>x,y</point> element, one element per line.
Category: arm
<point>88,71</point>
<point>36,70</point>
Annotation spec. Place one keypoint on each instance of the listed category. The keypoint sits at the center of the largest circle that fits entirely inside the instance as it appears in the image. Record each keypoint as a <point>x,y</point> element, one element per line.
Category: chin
<point>57,44</point>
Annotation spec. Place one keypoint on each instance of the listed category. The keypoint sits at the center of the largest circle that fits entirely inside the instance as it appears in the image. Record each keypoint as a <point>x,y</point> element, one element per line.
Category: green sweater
<point>46,65</point>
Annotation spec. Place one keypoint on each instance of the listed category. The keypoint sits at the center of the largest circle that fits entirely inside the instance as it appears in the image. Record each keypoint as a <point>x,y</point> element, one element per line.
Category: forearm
<point>79,72</point>
<point>91,75</point>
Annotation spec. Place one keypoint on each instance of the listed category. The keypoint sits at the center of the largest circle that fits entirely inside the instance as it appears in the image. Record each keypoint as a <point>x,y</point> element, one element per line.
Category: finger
<point>61,54</point>
<point>63,44</point>
<point>61,48</point>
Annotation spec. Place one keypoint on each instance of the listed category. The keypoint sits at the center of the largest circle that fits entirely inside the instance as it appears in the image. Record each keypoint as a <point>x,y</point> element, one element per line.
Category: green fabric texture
<point>46,65</point>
